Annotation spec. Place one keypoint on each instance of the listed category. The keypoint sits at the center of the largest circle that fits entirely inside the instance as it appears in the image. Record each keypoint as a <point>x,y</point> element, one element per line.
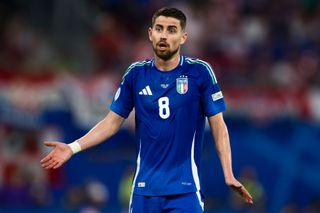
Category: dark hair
<point>173,13</point>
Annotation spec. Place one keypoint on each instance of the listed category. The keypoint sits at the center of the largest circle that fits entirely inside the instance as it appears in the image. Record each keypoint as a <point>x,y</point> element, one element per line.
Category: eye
<point>157,29</point>
<point>172,30</point>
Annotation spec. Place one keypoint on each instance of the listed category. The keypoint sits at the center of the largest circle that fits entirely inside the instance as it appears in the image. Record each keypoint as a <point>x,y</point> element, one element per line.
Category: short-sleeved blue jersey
<point>170,109</point>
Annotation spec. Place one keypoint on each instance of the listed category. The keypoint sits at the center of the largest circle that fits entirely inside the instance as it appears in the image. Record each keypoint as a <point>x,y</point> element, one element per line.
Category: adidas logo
<point>145,91</point>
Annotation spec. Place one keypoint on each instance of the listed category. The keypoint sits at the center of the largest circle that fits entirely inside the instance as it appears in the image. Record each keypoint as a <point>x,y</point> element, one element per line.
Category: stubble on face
<point>166,37</point>
<point>164,54</point>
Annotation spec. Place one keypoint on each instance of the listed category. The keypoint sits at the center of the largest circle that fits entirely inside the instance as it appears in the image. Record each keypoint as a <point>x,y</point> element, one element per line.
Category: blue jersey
<point>170,111</point>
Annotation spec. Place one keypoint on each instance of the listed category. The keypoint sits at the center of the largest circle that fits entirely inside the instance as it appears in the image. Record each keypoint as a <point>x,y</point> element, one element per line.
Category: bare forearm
<point>101,131</point>
<point>222,143</point>
<point>224,152</point>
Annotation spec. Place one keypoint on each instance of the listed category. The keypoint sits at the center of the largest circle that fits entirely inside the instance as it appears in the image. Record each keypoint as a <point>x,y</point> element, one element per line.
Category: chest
<point>165,93</point>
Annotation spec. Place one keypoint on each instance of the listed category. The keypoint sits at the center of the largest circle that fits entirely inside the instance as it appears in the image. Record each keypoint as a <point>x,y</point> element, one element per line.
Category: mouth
<point>162,45</point>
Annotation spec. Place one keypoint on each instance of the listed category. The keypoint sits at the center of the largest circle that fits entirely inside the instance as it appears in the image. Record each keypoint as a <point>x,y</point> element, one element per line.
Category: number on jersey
<point>164,110</point>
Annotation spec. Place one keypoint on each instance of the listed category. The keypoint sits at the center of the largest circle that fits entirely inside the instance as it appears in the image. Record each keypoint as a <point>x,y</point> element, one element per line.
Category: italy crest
<point>182,84</point>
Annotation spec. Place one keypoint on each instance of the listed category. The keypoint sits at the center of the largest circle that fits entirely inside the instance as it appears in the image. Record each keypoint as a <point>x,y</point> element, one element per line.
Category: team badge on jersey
<point>182,84</point>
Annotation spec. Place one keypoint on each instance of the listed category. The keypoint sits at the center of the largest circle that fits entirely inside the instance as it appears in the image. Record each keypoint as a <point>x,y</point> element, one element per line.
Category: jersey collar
<point>181,62</point>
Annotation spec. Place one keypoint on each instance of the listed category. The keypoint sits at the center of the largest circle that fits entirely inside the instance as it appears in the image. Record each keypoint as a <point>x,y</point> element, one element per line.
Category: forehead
<point>167,21</point>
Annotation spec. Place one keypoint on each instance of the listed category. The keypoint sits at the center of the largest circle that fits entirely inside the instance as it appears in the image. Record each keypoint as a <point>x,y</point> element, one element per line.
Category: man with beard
<point>172,96</point>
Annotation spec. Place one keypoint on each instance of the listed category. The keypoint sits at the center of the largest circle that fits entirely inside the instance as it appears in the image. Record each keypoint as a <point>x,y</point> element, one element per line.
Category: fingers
<point>45,159</point>
<point>46,162</point>
<point>50,143</point>
<point>56,157</point>
<point>51,163</point>
<point>246,195</point>
<point>57,165</point>
<point>242,191</point>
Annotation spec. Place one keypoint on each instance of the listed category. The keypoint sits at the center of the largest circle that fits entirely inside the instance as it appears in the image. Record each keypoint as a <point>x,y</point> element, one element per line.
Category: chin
<point>164,56</point>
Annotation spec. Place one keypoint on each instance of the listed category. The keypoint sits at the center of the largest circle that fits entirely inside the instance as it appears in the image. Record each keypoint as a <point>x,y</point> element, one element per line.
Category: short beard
<point>165,55</point>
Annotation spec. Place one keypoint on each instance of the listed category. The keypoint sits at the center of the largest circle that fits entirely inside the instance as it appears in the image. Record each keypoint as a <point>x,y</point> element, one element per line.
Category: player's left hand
<point>237,187</point>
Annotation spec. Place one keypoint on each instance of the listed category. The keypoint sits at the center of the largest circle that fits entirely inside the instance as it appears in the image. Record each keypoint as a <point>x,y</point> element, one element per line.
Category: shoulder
<point>201,66</point>
<point>136,66</point>
<point>198,62</point>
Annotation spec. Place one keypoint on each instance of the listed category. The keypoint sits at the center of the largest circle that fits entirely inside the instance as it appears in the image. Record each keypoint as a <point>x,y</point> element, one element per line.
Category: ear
<point>150,33</point>
<point>183,38</point>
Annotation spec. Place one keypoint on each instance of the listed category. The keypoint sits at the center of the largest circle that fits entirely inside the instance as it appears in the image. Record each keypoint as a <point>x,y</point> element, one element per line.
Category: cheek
<point>154,39</point>
<point>175,42</point>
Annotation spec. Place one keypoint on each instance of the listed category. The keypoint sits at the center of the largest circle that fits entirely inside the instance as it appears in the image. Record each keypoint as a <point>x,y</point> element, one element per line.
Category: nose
<point>164,34</point>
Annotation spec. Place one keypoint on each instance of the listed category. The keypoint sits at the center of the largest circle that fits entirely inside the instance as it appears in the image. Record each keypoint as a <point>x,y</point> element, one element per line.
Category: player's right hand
<point>61,153</point>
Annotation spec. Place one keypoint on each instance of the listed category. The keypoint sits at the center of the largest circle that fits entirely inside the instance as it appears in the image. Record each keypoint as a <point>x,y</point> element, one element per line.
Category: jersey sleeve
<point>122,103</point>
<point>211,96</point>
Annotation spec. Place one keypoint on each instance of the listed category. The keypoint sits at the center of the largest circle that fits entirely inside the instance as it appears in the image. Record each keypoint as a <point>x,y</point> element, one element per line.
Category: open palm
<point>61,153</point>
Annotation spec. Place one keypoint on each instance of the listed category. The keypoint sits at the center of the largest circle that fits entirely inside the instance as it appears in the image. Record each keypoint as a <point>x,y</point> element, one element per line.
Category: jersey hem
<point>165,194</point>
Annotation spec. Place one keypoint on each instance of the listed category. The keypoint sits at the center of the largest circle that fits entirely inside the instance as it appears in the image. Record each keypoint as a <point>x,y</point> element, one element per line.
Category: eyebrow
<point>172,26</point>
<point>169,26</point>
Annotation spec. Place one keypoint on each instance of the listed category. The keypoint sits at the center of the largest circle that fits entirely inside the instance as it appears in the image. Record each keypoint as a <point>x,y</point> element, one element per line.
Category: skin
<point>222,143</point>
<point>166,36</point>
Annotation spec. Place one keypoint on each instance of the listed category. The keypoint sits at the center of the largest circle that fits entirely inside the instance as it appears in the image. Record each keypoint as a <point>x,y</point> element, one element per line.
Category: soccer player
<point>172,95</point>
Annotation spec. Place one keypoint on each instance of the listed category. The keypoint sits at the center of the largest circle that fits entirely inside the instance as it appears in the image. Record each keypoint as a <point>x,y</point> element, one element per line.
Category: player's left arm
<point>221,137</point>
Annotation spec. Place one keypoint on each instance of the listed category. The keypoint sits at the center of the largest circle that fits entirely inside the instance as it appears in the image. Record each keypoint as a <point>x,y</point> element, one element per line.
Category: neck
<point>167,65</point>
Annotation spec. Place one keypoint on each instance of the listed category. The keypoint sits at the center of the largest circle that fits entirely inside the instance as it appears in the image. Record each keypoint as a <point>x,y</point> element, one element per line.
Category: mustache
<point>162,43</point>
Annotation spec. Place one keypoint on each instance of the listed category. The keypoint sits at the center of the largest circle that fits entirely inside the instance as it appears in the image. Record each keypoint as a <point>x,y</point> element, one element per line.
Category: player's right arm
<point>100,132</point>
<point>121,107</point>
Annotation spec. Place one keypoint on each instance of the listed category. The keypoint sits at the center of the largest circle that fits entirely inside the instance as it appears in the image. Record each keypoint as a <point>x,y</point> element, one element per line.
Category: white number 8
<point>164,110</point>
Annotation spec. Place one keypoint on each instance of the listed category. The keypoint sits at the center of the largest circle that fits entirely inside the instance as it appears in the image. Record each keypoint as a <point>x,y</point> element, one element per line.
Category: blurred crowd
<point>251,44</point>
<point>248,42</point>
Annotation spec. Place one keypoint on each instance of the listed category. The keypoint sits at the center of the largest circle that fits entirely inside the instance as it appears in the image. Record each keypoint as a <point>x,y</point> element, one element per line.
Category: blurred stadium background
<point>61,61</point>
